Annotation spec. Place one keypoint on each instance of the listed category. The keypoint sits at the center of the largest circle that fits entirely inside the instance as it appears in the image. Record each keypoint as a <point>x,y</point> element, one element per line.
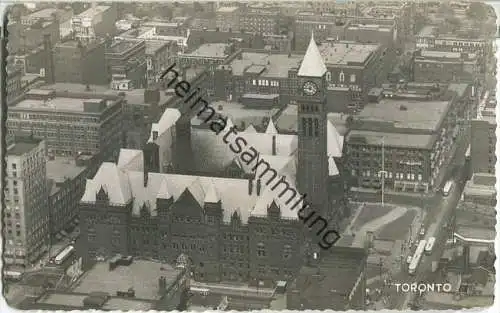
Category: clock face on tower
<point>310,88</point>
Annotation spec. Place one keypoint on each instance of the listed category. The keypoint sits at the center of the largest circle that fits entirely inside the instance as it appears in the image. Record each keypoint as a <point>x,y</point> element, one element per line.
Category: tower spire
<point>312,64</point>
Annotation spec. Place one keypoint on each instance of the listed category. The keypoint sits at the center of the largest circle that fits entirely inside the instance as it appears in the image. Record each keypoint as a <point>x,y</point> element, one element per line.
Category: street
<point>434,223</point>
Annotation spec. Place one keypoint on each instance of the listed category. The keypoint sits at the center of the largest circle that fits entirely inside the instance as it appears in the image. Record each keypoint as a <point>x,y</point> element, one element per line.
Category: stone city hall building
<point>231,228</point>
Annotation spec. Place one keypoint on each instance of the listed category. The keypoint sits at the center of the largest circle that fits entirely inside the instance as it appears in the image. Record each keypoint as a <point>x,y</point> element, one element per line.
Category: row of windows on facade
<point>308,129</point>
<point>409,176</point>
<point>60,117</point>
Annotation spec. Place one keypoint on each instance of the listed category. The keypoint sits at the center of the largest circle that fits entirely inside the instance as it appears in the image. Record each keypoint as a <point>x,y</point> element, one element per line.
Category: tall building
<point>483,142</point>
<point>312,174</point>
<point>26,215</point>
<point>75,62</point>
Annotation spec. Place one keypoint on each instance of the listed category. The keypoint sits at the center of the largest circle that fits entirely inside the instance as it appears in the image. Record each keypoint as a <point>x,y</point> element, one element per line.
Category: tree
<point>477,11</point>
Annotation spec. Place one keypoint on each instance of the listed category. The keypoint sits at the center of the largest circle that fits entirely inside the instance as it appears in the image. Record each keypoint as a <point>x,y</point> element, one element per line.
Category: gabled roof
<point>271,129</point>
<point>163,191</point>
<point>131,159</point>
<point>335,142</point>
<point>312,64</point>
<point>211,196</point>
<point>250,129</point>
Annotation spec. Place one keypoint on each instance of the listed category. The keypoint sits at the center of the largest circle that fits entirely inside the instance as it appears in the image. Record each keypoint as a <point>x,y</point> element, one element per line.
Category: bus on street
<point>64,255</point>
<point>447,188</point>
<point>430,245</point>
<point>417,257</point>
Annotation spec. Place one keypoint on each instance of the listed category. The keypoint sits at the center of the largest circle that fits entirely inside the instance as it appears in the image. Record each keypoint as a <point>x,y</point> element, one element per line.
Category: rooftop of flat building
<point>22,146</point>
<point>395,140</point>
<point>134,96</point>
<point>227,9</point>
<point>61,168</point>
<point>123,45</point>
<point>61,104</point>
<point>43,13</point>
<point>112,304</point>
<point>445,54</point>
<point>269,65</point>
<point>428,31</point>
<point>210,50</point>
<point>141,275</point>
<point>153,46</point>
<point>92,12</point>
<point>346,52</point>
<point>403,113</point>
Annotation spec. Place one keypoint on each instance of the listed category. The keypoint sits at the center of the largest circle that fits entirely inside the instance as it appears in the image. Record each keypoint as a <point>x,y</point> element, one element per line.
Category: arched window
<point>309,126</point>
<point>328,76</point>
<point>261,249</point>
<point>316,127</point>
<point>341,77</point>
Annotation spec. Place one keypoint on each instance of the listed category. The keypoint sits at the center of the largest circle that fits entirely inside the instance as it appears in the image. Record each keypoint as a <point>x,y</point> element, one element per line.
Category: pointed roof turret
<point>312,64</point>
<point>271,129</point>
<point>163,192</point>
<point>251,129</point>
<point>211,195</point>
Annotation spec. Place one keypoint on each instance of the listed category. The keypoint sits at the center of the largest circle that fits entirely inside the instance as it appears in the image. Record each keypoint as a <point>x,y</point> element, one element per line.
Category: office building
<point>26,213</point>
<point>69,123</point>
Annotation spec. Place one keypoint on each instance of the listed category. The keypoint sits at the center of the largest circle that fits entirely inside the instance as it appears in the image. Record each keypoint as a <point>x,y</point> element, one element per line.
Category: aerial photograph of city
<point>259,155</point>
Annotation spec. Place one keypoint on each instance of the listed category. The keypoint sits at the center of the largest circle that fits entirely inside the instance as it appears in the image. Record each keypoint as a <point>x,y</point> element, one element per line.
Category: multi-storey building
<point>365,30</point>
<point>359,67</point>
<point>70,123</point>
<point>282,43</point>
<point>260,20</point>
<point>228,19</point>
<point>429,38</point>
<point>126,63</point>
<point>483,142</point>
<point>208,56</point>
<point>66,178</point>
<point>13,87</point>
<point>159,55</point>
<point>413,138</point>
<point>446,67</point>
<point>80,63</point>
<point>97,21</point>
<point>25,216</point>
<point>24,38</point>
<point>324,26</point>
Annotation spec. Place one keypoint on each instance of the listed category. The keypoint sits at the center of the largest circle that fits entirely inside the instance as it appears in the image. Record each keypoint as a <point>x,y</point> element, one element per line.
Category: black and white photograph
<point>237,156</point>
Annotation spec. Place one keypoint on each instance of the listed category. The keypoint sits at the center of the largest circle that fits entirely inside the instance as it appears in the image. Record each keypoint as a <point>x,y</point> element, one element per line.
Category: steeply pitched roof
<point>335,142</point>
<point>271,129</point>
<point>312,64</point>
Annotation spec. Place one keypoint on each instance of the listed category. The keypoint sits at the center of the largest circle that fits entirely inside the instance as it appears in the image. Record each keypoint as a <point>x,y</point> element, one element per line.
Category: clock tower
<point>312,172</point>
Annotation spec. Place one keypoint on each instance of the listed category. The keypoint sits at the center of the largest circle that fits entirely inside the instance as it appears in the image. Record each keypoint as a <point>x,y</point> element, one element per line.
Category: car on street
<point>408,259</point>
<point>422,232</point>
